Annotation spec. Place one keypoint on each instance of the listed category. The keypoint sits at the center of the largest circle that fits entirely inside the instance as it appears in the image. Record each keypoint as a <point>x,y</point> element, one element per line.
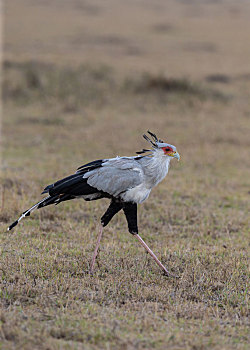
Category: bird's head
<point>158,145</point>
<point>168,150</point>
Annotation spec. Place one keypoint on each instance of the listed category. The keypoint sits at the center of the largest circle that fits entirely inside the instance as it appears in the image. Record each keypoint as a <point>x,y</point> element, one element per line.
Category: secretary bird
<point>126,181</point>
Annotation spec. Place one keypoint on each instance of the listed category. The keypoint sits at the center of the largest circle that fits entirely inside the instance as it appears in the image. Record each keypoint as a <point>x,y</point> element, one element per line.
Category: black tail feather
<point>48,201</point>
<point>27,213</point>
<point>12,225</point>
<point>68,188</point>
<point>43,203</point>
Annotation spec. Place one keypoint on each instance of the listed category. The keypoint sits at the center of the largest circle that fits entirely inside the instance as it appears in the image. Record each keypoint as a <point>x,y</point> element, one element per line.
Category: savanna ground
<point>84,80</point>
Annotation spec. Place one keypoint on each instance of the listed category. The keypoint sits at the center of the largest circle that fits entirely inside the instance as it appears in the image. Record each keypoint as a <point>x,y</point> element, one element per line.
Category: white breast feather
<point>155,169</point>
<point>137,194</point>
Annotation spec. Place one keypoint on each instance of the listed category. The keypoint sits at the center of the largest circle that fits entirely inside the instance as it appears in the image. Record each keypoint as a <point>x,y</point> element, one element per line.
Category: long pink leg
<point>153,255</point>
<point>96,251</point>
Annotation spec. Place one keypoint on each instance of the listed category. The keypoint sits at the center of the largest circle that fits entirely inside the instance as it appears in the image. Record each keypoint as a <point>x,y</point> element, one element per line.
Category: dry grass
<point>59,115</point>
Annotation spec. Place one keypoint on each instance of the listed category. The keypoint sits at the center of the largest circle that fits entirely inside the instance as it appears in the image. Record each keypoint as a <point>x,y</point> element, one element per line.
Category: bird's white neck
<point>156,168</point>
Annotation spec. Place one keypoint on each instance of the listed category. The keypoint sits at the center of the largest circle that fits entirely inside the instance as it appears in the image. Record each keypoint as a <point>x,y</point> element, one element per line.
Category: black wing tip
<point>94,163</point>
<point>12,225</point>
<point>47,189</point>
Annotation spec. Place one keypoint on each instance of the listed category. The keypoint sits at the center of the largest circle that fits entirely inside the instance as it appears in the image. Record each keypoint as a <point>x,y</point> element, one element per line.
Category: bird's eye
<point>167,149</point>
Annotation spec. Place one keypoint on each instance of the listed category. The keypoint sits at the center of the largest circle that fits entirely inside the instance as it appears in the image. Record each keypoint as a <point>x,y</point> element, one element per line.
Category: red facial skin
<point>167,150</point>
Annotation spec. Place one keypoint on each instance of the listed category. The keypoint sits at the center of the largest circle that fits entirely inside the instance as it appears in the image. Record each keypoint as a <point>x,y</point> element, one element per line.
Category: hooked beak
<point>175,155</point>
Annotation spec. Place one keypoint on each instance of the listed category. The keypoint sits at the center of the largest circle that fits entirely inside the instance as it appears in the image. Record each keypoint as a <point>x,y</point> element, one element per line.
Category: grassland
<point>81,84</point>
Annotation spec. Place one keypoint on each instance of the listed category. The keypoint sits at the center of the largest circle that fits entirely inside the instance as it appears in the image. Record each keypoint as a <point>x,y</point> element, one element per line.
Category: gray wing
<point>116,175</point>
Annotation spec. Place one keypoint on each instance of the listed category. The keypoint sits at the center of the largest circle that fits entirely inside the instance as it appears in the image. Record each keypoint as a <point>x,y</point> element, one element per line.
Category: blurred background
<point>83,80</point>
<point>84,69</point>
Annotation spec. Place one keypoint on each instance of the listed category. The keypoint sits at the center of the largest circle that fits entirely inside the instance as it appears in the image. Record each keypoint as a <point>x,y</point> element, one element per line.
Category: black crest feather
<point>148,139</point>
<point>153,142</point>
<point>143,151</point>
<point>153,135</point>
